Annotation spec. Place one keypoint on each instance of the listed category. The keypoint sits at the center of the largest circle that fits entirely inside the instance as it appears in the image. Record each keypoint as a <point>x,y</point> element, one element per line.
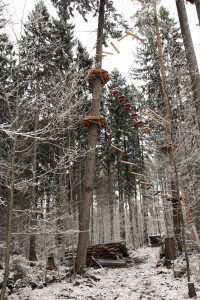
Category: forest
<point>88,157</point>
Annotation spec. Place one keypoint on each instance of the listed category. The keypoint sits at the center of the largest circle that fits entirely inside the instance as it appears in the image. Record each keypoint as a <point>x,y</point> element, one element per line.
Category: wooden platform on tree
<point>101,121</point>
<point>91,74</point>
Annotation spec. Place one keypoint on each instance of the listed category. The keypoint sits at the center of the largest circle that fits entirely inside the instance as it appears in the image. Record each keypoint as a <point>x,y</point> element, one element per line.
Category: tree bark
<point>190,54</point>
<point>84,225</point>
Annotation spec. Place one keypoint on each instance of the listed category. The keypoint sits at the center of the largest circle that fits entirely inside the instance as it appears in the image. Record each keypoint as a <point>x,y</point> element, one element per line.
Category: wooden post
<point>118,149</point>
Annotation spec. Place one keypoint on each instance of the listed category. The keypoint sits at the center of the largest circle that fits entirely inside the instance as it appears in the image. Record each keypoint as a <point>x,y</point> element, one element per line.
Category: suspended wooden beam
<point>122,37</point>
<point>154,119</point>
<point>118,149</point>
<point>103,55</point>
<point>115,47</point>
<point>136,174</point>
<point>146,183</point>
<point>132,34</point>
<point>127,163</point>
<point>157,115</point>
<point>107,52</point>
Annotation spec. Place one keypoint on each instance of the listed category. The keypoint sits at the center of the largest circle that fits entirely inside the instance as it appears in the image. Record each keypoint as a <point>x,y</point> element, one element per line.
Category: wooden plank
<point>115,47</point>
<point>107,52</point>
<point>157,115</point>
<point>132,34</point>
<point>122,37</point>
<point>146,183</point>
<point>127,163</point>
<point>154,119</point>
<point>136,174</point>
<point>118,149</point>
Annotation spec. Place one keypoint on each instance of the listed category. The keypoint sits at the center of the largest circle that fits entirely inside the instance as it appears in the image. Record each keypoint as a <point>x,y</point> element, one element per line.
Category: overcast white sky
<point>18,10</point>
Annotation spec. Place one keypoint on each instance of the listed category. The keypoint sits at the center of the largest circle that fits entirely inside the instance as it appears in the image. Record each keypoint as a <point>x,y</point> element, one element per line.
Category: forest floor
<point>139,280</point>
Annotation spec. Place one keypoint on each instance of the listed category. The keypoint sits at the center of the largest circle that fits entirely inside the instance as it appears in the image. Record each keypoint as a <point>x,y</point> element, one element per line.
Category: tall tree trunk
<point>121,204</point>
<point>84,225</point>
<point>190,54</point>
<point>110,200</point>
<point>33,222</point>
<point>175,202</point>
<point>11,197</point>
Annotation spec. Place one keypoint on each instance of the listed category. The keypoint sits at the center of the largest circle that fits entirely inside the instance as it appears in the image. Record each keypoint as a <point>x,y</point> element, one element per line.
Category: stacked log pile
<point>112,251</point>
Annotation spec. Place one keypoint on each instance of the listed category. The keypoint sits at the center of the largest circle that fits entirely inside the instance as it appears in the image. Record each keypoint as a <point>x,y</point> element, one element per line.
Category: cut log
<point>51,264</point>
<point>191,290</point>
<point>170,251</point>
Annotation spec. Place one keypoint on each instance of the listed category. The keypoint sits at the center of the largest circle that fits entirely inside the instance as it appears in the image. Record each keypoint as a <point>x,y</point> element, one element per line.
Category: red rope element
<point>191,1</point>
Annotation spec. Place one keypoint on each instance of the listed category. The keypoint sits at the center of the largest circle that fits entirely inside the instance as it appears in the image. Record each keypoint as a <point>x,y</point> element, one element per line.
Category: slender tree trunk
<point>121,204</point>
<point>84,225</point>
<point>190,54</point>
<point>33,222</point>
<point>110,200</point>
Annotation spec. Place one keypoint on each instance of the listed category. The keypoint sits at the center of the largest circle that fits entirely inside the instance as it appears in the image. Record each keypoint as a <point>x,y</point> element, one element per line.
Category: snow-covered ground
<point>140,280</point>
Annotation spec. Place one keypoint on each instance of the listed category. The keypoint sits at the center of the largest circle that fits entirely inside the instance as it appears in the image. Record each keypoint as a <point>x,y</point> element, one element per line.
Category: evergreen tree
<point>112,18</point>
<point>149,70</point>
<point>46,56</point>
<point>123,133</point>
<point>7,105</point>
